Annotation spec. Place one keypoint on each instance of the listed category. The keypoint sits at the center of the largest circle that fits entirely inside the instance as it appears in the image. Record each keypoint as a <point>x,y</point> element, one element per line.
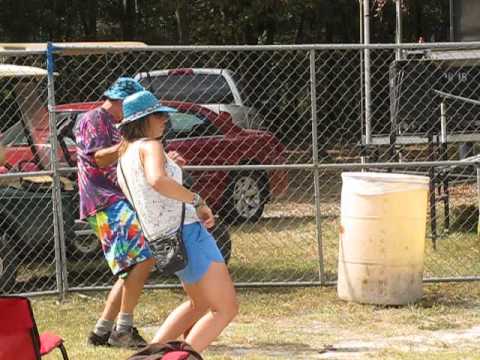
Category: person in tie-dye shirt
<point>106,209</point>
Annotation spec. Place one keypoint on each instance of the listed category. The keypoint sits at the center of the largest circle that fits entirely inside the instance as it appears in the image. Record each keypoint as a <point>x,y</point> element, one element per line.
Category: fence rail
<point>266,132</point>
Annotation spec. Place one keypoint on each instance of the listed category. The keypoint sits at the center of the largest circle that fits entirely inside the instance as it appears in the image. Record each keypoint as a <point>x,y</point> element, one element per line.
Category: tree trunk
<point>129,20</point>
<point>183,25</point>
<point>299,34</point>
<point>89,13</point>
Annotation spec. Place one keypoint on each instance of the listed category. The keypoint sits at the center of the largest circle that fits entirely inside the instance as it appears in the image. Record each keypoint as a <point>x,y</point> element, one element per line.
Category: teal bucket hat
<point>141,104</point>
<point>122,88</point>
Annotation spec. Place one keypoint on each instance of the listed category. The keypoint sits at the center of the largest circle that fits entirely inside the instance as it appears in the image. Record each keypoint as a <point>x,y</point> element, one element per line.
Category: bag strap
<point>134,207</point>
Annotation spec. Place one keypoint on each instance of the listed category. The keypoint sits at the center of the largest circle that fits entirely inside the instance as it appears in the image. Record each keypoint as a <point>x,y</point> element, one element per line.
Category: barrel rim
<point>386,177</point>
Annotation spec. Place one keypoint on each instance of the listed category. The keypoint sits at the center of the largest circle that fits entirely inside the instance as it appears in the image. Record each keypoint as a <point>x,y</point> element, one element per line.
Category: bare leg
<point>217,291</point>
<point>133,285</point>
<point>180,320</point>
<point>114,300</point>
<point>214,291</point>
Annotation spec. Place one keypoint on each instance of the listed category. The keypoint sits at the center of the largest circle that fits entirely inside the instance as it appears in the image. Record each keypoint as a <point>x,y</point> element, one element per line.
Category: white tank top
<point>159,215</point>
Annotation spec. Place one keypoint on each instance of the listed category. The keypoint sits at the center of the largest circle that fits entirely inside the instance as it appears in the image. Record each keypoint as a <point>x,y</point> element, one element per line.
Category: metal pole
<point>444,156</point>
<point>443,123</point>
<point>478,196</point>
<point>366,51</point>
<point>59,237</point>
<point>398,30</point>
<point>362,105</point>
<point>316,172</point>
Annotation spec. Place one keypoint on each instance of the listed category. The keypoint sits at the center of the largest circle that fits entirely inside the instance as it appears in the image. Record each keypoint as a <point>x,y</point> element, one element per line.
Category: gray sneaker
<point>129,339</point>
<point>98,340</point>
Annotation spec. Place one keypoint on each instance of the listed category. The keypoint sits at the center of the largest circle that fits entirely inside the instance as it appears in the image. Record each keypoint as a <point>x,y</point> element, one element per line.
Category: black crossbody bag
<point>169,250</point>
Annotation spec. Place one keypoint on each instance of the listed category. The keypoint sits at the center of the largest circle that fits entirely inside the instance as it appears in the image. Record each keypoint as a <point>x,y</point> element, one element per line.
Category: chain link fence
<point>266,132</point>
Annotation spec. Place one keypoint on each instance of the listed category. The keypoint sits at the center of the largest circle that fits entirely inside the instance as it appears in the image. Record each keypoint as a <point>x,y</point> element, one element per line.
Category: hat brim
<point>141,114</point>
<point>114,95</point>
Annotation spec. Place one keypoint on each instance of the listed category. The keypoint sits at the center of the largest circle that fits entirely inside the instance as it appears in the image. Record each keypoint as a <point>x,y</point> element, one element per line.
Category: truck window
<point>187,125</point>
<point>194,88</point>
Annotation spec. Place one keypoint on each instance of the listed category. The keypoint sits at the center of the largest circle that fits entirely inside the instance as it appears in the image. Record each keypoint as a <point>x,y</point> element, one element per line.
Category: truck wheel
<point>246,197</point>
<point>84,246</point>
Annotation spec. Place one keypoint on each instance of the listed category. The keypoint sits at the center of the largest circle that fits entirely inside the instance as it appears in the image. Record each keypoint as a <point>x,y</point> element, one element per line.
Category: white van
<point>216,89</point>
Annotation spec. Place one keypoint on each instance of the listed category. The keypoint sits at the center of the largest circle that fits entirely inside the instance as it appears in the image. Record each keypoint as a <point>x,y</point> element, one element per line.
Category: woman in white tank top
<point>155,183</point>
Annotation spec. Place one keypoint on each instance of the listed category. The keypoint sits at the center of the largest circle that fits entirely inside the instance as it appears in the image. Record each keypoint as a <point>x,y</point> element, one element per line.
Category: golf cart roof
<point>10,71</point>
<point>76,48</point>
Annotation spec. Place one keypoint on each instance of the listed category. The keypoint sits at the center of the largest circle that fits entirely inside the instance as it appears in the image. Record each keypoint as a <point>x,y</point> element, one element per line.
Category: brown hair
<point>135,130</point>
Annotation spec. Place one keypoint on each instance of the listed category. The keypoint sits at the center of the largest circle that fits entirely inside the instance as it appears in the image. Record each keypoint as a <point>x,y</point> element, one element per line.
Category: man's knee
<point>146,264</point>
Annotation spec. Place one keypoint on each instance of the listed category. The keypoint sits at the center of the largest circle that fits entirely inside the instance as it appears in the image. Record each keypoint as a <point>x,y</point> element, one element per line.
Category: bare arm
<point>108,156</point>
<point>152,157</point>
<point>2,155</point>
<point>151,154</point>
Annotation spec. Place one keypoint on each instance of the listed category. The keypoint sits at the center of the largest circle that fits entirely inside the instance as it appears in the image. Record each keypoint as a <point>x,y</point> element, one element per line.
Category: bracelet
<point>197,201</point>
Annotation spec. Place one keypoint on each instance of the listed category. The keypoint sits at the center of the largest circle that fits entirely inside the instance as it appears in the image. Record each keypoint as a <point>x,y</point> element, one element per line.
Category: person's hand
<point>205,215</point>
<point>2,155</point>
<point>176,157</point>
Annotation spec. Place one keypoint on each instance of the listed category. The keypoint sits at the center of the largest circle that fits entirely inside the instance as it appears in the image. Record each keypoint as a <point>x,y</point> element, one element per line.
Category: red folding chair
<point>19,338</point>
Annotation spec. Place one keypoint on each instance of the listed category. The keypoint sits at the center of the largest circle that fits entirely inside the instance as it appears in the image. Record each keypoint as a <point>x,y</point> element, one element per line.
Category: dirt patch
<point>431,341</point>
<point>353,348</point>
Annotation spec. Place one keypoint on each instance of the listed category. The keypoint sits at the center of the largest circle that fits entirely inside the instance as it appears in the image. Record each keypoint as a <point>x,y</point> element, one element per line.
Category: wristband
<point>197,201</point>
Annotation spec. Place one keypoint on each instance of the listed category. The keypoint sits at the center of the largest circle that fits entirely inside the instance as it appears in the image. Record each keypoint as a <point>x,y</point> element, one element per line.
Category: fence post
<point>366,72</point>
<point>316,174</point>
<point>477,167</point>
<point>59,238</point>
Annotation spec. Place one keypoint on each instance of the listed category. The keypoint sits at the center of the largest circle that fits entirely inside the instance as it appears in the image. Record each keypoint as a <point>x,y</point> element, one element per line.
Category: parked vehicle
<point>204,137</point>
<point>219,90</point>
<point>28,210</point>
<point>26,214</point>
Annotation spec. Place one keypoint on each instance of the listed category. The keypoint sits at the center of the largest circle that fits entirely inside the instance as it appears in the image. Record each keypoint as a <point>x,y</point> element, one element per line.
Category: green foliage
<point>216,21</point>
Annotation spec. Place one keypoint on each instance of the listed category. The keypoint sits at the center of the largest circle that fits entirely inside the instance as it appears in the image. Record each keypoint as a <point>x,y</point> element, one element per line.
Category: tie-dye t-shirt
<point>97,186</point>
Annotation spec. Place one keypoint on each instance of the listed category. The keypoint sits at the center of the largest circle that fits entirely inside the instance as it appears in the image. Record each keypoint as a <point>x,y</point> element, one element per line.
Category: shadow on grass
<point>284,349</point>
<point>274,224</point>
<point>275,271</point>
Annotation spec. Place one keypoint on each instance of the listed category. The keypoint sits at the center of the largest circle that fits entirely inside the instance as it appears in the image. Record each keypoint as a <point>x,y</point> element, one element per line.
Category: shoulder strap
<point>182,220</point>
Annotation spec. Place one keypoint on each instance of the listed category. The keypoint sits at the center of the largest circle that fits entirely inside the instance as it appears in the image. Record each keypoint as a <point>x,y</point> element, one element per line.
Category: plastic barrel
<point>382,237</point>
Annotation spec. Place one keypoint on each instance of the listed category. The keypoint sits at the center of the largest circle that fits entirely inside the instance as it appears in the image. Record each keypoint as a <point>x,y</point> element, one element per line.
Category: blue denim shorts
<point>202,250</point>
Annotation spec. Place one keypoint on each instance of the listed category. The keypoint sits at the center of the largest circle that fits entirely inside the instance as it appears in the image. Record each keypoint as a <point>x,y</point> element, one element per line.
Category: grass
<point>280,249</point>
<point>292,323</point>
<point>286,323</point>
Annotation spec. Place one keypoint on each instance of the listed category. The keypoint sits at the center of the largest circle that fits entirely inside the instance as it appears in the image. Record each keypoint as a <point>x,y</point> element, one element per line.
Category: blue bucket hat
<point>141,104</point>
<point>122,88</point>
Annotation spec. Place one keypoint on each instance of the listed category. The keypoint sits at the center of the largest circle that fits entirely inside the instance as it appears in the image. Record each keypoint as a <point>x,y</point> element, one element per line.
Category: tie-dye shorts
<point>119,231</point>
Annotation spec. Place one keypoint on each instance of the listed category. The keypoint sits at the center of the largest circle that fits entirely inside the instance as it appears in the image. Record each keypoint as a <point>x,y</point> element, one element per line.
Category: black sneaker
<point>98,340</point>
<point>129,339</point>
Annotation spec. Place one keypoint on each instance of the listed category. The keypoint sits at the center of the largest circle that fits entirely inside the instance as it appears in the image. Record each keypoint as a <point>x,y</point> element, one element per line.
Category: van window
<point>194,88</point>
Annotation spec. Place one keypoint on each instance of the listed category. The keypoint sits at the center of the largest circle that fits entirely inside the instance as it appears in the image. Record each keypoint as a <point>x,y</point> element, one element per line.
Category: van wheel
<point>222,235</point>
<point>85,247</point>
<point>8,263</point>
<point>246,197</point>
